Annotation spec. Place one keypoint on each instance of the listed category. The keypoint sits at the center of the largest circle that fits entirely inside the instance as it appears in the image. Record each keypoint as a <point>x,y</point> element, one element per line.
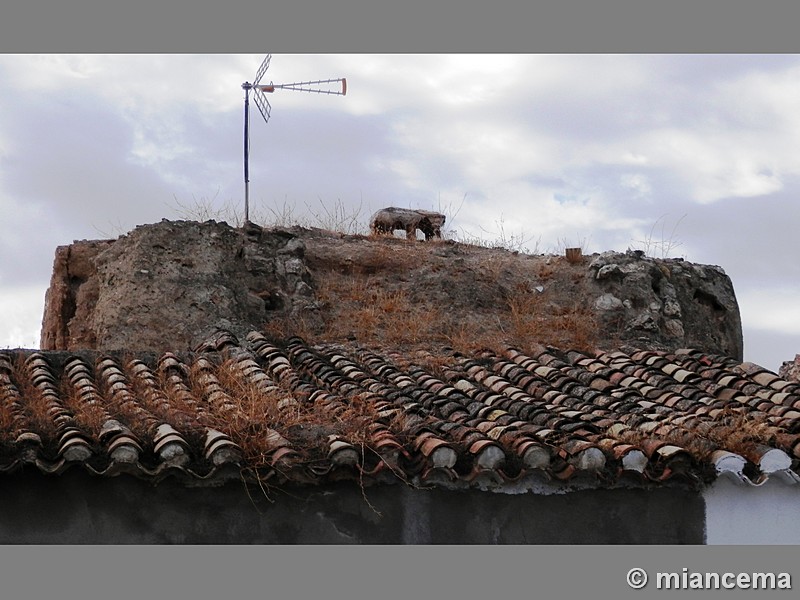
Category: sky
<point>687,156</point>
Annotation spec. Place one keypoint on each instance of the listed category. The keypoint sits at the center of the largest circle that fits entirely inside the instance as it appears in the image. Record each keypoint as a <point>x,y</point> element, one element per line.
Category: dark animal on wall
<point>388,220</point>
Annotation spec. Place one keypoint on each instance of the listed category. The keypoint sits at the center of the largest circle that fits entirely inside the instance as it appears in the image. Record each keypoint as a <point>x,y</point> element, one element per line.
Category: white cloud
<point>717,164</point>
<point>21,309</point>
<point>51,72</point>
<point>543,213</point>
<point>771,308</point>
<point>382,84</point>
<point>638,183</point>
<point>631,158</point>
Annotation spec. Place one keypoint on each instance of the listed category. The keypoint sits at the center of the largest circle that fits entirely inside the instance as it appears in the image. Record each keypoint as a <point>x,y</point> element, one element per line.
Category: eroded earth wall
<point>167,285</point>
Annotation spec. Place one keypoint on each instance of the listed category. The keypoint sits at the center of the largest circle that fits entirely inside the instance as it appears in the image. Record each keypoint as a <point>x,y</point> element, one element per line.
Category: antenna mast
<point>336,87</point>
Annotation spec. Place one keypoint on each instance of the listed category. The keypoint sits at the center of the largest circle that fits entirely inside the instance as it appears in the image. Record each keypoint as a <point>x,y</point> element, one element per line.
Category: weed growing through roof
<point>35,405</point>
<point>86,407</point>
<point>13,418</point>
<point>261,418</point>
<point>122,405</point>
<point>742,431</point>
<point>7,422</point>
<point>159,397</point>
<point>733,429</point>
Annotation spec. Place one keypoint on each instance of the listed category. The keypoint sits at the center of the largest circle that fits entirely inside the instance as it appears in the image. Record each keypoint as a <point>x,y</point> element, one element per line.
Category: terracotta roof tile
<point>286,411</point>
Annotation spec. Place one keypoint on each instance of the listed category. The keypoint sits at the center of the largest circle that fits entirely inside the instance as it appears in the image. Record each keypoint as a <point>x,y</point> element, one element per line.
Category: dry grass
<point>263,418</point>
<point>35,405</point>
<point>87,408</point>
<point>741,432</point>
<point>13,418</point>
<point>376,310</point>
<point>734,431</point>
<point>516,241</point>
<point>286,326</point>
<point>7,424</point>
<point>167,406</point>
<point>363,308</point>
<point>532,320</point>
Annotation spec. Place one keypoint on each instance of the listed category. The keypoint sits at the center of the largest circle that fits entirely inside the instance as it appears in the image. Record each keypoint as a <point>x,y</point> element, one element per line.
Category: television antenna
<point>336,87</point>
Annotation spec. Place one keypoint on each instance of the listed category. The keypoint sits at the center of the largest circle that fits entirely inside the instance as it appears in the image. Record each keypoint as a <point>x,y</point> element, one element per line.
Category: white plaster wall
<point>739,514</point>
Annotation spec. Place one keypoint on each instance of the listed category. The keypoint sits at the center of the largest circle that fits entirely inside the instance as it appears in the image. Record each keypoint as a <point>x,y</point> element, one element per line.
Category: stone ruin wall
<point>167,285</point>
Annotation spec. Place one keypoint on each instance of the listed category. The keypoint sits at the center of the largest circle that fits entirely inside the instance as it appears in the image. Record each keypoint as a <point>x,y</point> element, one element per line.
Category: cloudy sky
<point>685,155</point>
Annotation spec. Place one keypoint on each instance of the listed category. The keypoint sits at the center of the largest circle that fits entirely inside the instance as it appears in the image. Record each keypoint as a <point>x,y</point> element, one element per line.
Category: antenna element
<point>336,87</point>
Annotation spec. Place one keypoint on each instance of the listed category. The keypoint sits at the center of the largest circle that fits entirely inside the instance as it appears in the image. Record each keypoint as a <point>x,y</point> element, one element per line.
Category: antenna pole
<point>264,108</point>
<point>246,86</point>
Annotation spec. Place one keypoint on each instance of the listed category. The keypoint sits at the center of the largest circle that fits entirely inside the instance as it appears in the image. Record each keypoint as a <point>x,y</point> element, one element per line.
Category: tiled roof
<point>290,412</point>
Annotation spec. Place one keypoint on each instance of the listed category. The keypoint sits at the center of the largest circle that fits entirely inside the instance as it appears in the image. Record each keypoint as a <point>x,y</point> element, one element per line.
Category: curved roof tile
<point>288,411</point>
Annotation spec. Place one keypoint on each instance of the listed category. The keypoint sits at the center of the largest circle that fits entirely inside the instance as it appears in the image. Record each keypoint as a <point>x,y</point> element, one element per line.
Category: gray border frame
<point>571,26</point>
<point>366,572</point>
<point>412,26</point>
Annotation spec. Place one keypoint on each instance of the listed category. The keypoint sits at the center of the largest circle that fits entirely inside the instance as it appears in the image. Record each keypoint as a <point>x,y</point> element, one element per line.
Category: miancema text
<point>688,580</point>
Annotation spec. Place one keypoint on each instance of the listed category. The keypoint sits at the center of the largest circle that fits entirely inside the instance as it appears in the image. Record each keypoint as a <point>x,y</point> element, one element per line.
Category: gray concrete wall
<point>77,508</point>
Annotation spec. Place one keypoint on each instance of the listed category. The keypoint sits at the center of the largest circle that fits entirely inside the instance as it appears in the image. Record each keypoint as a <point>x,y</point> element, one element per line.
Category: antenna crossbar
<point>264,108</point>
<point>304,86</point>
